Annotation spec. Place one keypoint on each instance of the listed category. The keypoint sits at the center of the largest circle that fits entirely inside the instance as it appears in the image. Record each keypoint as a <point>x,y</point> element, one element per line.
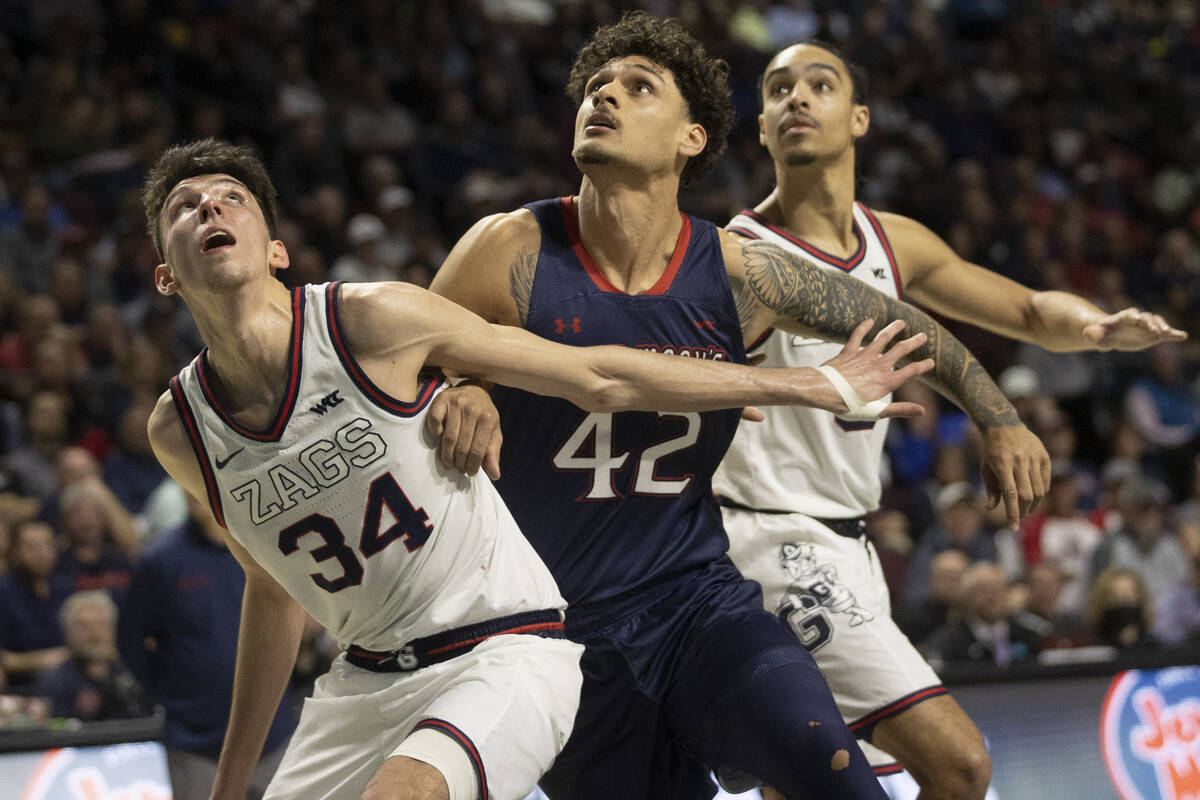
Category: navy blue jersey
<point>616,503</point>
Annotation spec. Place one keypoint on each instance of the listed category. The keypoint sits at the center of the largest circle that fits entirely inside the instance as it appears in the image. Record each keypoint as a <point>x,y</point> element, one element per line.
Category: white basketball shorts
<point>830,591</point>
<point>509,704</point>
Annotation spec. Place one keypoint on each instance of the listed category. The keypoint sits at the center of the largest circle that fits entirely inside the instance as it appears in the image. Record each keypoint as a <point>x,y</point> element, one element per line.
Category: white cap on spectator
<point>954,493</point>
<point>1018,381</point>
<point>364,228</point>
<point>393,197</point>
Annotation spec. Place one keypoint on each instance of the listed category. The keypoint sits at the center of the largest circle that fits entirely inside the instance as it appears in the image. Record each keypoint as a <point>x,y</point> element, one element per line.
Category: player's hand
<point>1131,329</point>
<point>469,427</point>
<point>871,370</point>
<point>1016,470</point>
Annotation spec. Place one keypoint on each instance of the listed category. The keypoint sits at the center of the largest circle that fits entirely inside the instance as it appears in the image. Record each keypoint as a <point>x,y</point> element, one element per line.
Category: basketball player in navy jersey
<point>683,671</point>
<point>797,486</point>
<point>303,424</point>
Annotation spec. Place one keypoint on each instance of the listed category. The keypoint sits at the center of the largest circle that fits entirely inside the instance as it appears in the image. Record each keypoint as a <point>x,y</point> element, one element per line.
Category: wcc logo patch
<point>1150,734</point>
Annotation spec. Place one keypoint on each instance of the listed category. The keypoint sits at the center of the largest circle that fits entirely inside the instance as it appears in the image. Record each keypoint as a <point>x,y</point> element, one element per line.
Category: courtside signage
<point>1150,734</point>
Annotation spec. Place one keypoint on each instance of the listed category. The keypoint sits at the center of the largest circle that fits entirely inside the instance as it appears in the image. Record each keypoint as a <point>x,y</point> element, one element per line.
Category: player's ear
<point>164,281</point>
<point>762,131</point>
<point>860,121</point>
<point>279,258</point>
<point>693,140</point>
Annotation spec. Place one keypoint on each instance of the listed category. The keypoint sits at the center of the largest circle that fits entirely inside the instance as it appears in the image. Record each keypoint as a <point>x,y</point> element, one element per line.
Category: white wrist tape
<point>859,411</point>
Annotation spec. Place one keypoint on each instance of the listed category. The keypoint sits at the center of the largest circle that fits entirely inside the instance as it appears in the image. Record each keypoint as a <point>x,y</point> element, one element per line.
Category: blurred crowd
<point>1055,141</point>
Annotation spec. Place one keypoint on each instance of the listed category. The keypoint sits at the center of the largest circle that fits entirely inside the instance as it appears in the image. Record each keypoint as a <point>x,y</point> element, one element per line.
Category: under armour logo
<point>327,402</point>
<point>705,324</point>
<point>878,272</point>
<point>561,327</point>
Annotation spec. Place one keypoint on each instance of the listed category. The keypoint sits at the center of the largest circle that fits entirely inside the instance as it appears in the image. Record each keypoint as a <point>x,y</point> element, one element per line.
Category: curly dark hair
<point>205,157</point>
<point>703,81</point>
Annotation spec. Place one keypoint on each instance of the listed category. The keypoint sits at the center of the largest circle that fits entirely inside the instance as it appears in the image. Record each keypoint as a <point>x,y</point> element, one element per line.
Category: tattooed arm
<point>490,271</point>
<point>774,288</point>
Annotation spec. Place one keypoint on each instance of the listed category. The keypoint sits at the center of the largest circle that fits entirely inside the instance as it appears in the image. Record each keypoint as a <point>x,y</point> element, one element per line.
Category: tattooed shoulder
<point>520,281</point>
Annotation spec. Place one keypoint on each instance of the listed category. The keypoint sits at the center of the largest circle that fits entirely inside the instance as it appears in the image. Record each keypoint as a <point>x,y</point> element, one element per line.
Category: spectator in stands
<point>959,526</point>
<point>987,633</point>
<point>944,602</point>
<point>1043,610</point>
<point>1119,610</point>
<point>1163,408</point>
<point>30,597</point>
<point>178,633</point>
<point>101,539</point>
<point>1144,543</point>
<point>131,471</point>
<point>365,262</point>
<point>92,685</point>
<point>1177,611</point>
<point>1063,537</point>
<point>46,424</point>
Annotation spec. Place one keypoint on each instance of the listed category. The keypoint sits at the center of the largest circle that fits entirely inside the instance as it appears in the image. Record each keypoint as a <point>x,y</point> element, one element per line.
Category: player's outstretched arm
<point>398,327</point>
<point>269,636</point>
<point>937,278</point>
<point>775,288</point>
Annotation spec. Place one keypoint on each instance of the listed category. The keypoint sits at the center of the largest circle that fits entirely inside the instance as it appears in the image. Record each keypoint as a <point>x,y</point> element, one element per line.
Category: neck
<point>248,332</point>
<point>816,202</point>
<point>630,231</point>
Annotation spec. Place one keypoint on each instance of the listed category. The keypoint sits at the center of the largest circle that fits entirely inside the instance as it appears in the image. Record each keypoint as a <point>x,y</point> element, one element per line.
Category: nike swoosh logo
<point>221,462</point>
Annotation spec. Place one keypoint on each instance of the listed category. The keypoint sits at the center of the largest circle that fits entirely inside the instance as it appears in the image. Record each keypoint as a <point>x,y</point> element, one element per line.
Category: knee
<point>964,775</point>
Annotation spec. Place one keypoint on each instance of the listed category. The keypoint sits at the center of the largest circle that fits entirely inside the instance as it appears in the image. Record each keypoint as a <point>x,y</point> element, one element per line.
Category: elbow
<point>603,394</point>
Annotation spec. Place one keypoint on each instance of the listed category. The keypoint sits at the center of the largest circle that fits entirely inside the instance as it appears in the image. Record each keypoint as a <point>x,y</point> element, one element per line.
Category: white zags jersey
<point>801,459</point>
<point>345,503</point>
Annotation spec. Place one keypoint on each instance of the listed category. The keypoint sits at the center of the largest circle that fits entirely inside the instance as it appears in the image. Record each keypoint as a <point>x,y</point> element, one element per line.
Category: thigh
<point>510,711</point>
<point>930,736</point>
<point>830,591</point>
<point>621,746</point>
<point>750,701</point>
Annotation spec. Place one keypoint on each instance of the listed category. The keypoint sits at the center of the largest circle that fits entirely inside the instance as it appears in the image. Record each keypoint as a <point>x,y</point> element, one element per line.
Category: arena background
<point>1056,142</point>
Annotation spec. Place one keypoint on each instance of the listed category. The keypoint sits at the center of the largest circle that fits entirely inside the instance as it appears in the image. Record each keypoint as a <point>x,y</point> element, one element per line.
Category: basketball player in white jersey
<point>303,423</point>
<point>796,487</point>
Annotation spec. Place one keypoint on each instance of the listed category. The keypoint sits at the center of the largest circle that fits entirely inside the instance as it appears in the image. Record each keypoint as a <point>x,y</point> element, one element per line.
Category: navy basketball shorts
<point>699,678</point>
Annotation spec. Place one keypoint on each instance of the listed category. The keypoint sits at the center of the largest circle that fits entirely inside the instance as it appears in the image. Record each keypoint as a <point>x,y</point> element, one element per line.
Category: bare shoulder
<point>733,251</point>
<point>172,447</point>
<point>490,270</point>
<point>377,316</point>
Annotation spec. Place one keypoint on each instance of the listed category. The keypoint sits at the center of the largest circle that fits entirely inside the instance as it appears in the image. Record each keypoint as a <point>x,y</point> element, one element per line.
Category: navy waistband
<point>446,645</point>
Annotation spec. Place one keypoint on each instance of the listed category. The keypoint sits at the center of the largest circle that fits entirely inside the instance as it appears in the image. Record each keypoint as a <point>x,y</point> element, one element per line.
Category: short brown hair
<point>205,157</point>
<point>703,81</point>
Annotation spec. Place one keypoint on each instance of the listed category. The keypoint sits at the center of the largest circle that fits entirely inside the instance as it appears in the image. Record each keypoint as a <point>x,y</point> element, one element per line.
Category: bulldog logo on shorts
<point>819,582</point>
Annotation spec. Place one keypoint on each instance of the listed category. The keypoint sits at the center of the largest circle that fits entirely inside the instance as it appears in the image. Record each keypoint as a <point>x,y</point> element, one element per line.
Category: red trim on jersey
<point>571,217</point>
<point>887,247</point>
<point>887,769</point>
<point>761,340</point>
<point>891,709</point>
<point>846,264</point>
<point>193,431</point>
<point>355,372</point>
<point>275,429</point>
<point>540,626</point>
<point>746,232</point>
<point>465,742</point>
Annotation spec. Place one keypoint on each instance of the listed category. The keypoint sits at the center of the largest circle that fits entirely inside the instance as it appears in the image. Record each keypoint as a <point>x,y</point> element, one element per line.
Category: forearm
<point>832,305</point>
<point>268,640</point>
<point>1057,319</point>
<point>614,378</point>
